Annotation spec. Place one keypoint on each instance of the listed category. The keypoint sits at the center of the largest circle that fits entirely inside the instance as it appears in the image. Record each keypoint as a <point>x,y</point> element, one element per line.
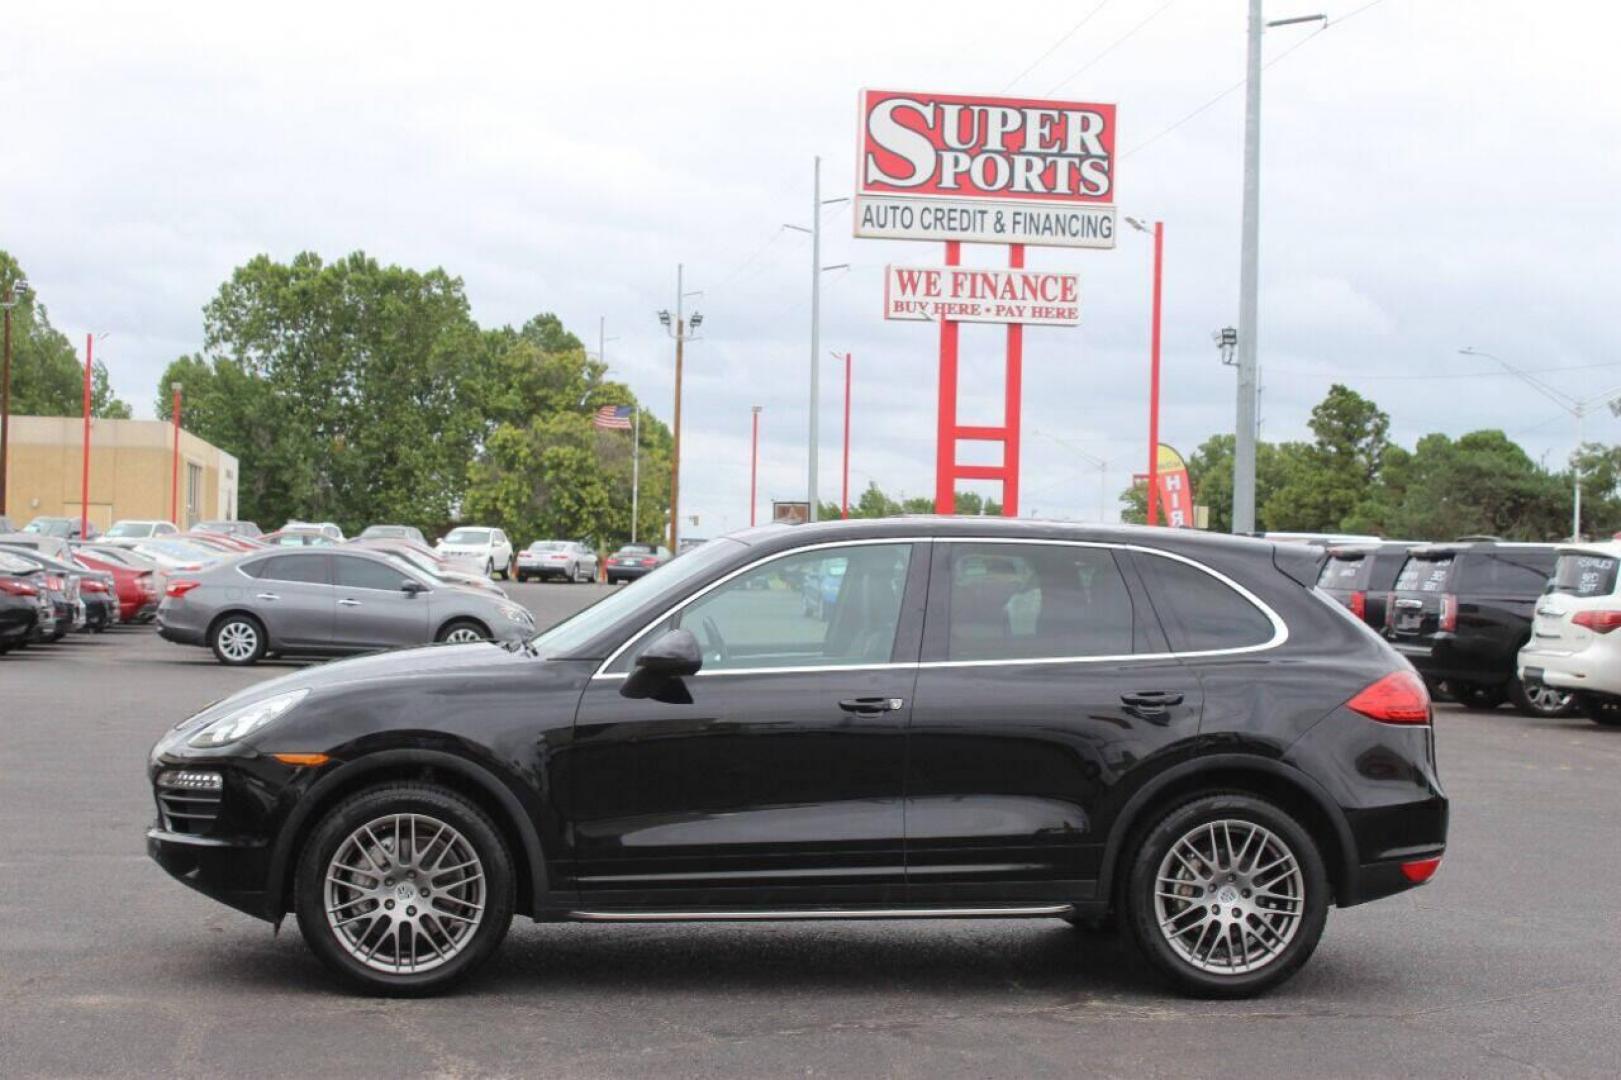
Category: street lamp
<point>754,463</point>
<point>1575,408</point>
<point>174,479</point>
<point>1158,232</point>
<point>681,333</point>
<point>15,293</point>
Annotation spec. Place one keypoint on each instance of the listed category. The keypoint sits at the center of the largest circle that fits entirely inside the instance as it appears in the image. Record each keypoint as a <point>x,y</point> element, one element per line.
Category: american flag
<point>614,417</point>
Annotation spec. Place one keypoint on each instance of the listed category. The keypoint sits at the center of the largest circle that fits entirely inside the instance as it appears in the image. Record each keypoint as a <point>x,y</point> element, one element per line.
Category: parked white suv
<point>1573,643</point>
<point>479,547</point>
<point>128,529</point>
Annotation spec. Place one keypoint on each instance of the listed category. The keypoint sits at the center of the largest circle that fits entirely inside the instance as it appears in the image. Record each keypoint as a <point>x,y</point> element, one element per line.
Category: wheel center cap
<point>1227,895</point>
<point>404,892</point>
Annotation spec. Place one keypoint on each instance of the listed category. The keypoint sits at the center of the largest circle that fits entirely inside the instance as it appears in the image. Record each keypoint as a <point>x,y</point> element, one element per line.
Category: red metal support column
<point>1012,400</point>
<point>1153,382</point>
<point>844,497</point>
<point>945,493</point>
<point>84,474</point>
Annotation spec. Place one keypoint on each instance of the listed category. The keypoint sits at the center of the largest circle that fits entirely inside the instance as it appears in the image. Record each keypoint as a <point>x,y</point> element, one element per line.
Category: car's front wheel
<point>1540,699</point>
<point>238,640</point>
<point>404,889</point>
<point>462,631</point>
<point>1227,896</point>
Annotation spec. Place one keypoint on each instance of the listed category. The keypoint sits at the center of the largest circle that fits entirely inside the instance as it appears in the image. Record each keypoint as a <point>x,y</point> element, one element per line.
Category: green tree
<point>47,375</point>
<point>1324,482</point>
<point>1481,484</point>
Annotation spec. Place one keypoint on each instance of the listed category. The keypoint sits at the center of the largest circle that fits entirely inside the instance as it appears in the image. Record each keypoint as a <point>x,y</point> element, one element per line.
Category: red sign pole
<point>945,494</point>
<point>1011,402</point>
<point>844,498</point>
<point>1153,382</point>
<point>84,477</point>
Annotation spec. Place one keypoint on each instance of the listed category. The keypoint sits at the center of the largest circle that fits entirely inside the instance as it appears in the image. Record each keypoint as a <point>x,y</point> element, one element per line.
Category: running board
<point>824,913</point>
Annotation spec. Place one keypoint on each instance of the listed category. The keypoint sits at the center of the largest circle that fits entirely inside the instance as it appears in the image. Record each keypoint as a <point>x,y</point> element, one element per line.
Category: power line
<point>1037,62</point>
<point>1121,40</point>
<point>1443,375</point>
<point>1278,59</point>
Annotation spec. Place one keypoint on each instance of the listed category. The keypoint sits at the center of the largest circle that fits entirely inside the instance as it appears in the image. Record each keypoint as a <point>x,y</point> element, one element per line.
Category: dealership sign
<point>985,170</point>
<point>972,294</point>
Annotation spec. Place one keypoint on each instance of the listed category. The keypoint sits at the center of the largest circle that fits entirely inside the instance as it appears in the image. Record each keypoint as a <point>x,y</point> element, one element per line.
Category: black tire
<point>1602,709</point>
<point>449,629</point>
<point>1143,921</point>
<point>506,571</point>
<point>1539,699</point>
<point>489,568</point>
<point>438,804</point>
<point>1477,697</point>
<point>225,636</point>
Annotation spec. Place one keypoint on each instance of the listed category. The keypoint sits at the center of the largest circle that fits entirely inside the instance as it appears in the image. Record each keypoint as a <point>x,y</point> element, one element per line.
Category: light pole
<point>680,331</point>
<point>174,478</point>
<point>1244,433</point>
<point>817,269</point>
<point>754,464</point>
<point>14,294</point>
<point>1158,231</point>
<point>1576,408</point>
<point>844,484</point>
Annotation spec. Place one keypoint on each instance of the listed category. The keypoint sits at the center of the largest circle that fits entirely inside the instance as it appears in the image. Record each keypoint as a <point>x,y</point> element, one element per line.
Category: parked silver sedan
<point>322,601</point>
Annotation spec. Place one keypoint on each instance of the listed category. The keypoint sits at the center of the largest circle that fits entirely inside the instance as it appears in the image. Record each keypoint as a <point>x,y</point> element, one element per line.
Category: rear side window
<point>1342,572</point>
<point>310,569</point>
<point>1512,573</point>
<point>1424,575</point>
<point>1584,575</point>
<point>1201,612</point>
<point>1029,601</point>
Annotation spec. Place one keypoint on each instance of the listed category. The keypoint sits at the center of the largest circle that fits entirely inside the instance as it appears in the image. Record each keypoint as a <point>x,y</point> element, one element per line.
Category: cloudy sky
<point>1436,173</point>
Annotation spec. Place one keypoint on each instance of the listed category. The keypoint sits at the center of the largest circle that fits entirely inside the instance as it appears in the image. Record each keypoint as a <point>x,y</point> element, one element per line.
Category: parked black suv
<point>990,719</point>
<point>1360,576</point>
<point>1460,613</point>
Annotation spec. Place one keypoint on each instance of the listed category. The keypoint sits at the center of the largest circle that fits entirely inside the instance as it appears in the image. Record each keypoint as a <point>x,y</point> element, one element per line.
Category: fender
<point>281,854</point>
<point>1129,814</point>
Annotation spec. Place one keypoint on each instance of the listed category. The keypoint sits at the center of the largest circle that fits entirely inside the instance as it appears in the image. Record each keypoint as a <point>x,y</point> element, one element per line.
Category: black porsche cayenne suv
<point>1170,731</point>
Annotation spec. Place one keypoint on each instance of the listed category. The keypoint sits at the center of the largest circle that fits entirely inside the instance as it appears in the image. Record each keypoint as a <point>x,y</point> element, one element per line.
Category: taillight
<point>1449,613</point>
<point>94,586</point>
<point>180,587</point>
<point>55,583</point>
<point>1359,604</point>
<point>1600,622</point>
<point>650,562</point>
<point>1418,871</point>
<point>17,588</point>
<point>1398,698</point>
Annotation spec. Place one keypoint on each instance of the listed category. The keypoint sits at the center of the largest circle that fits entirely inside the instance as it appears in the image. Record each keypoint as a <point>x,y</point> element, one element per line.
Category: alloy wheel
<point>238,641</point>
<point>1229,896</point>
<point>404,893</point>
<point>1546,699</point>
<point>461,635</point>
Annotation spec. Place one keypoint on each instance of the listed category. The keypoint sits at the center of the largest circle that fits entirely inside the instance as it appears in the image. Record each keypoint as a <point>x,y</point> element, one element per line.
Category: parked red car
<point>138,597</point>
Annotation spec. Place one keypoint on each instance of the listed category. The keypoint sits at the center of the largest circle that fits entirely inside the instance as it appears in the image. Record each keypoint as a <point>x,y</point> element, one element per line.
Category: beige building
<point>131,465</point>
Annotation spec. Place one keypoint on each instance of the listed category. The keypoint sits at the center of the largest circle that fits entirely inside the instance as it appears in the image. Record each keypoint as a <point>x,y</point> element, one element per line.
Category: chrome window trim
<point>1280,629</point>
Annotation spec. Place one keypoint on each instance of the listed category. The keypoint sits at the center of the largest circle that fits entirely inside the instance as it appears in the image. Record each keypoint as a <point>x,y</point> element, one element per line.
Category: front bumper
<point>233,873</point>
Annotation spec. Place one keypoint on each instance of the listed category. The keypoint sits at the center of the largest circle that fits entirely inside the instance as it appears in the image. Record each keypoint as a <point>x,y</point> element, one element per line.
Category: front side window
<point>1035,601</point>
<point>352,573</point>
<point>832,607</point>
<point>1202,613</point>
<point>1506,572</point>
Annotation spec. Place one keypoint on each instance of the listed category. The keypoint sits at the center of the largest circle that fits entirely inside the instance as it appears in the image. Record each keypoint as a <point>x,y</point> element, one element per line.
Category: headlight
<point>517,614</point>
<point>242,722</point>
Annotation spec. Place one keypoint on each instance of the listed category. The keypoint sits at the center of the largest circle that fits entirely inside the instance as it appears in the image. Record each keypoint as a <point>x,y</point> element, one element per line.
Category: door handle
<point>348,602</point>
<point>872,706</point>
<point>268,596</point>
<point>1152,699</point>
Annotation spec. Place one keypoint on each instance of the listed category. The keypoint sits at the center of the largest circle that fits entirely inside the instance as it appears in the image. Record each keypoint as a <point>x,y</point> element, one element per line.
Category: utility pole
<point>754,464</point>
<point>844,491</point>
<point>813,442</point>
<point>1248,281</point>
<point>679,332</point>
<point>15,291</point>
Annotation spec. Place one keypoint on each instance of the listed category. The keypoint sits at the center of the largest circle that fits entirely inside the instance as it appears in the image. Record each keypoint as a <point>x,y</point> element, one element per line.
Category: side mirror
<point>411,588</point>
<point>675,655</point>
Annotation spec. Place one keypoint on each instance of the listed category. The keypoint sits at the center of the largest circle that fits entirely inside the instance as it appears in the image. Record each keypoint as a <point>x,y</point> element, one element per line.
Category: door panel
<point>774,776</point>
<point>371,609</point>
<point>293,596</point>
<point>1040,690</point>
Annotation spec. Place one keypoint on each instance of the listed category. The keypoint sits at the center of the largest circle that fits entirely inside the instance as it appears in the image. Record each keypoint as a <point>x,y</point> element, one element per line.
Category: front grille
<point>189,802</point>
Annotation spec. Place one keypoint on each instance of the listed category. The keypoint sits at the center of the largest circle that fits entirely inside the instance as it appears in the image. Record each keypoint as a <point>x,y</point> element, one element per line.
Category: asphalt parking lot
<point>1505,966</point>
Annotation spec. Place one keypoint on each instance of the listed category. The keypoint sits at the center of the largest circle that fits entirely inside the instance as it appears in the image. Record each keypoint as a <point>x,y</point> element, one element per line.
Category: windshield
<point>383,531</point>
<point>659,587</point>
<point>1584,575</point>
<point>637,549</point>
<point>468,536</point>
<point>50,526</point>
<point>131,528</point>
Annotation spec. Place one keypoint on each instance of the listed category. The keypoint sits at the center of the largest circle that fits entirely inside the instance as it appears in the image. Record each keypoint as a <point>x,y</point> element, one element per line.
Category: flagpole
<point>635,470</point>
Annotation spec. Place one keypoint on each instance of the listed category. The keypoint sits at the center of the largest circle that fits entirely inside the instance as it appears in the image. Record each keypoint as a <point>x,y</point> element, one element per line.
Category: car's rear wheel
<point>1601,708</point>
<point>1540,699</point>
<point>1227,896</point>
<point>1475,696</point>
<point>238,640</point>
<point>462,631</point>
<point>404,889</point>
